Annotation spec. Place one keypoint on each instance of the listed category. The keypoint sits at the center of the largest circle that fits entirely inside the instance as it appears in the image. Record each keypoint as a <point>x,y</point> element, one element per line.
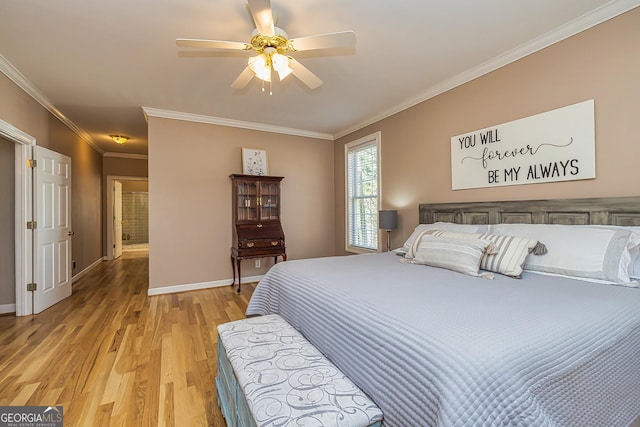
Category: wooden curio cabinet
<point>257,232</point>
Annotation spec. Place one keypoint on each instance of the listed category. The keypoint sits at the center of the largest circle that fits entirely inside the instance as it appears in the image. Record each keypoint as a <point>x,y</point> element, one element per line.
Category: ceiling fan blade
<point>303,73</point>
<point>243,79</point>
<point>325,41</point>
<point>262,16</point>
<point>212,44</point>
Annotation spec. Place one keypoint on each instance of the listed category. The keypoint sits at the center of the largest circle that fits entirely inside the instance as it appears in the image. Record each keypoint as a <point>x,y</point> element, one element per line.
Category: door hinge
<point>32,163</point>
<point>32,286</point>
<point>32,225</point>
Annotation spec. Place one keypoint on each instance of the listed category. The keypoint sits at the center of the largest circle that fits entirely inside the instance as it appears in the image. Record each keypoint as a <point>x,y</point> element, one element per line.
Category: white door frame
<point>117,218</point>
<point>24,212</point>
<point>110,179</point>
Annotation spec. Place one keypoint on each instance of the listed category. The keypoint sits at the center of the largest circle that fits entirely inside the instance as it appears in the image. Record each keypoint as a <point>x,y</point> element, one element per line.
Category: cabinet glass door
<point>270,201</point>
<point>247,201</point>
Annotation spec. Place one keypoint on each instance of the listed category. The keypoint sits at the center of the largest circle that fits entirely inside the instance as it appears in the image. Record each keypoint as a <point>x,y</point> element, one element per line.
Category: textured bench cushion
<point>287,381</point>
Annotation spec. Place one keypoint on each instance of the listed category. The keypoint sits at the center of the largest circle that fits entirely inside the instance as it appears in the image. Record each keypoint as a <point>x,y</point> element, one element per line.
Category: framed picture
<point>254,162</point>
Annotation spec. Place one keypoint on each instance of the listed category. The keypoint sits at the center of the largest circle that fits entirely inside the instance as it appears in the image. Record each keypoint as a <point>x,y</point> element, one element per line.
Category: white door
<point>117,219</point>
<point>52,235</point>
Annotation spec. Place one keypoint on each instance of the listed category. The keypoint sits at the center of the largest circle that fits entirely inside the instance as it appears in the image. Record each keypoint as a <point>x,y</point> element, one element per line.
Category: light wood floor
<point>111,355</point>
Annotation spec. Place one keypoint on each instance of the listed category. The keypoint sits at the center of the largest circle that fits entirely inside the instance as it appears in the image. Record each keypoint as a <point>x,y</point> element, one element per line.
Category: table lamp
<point>388,220</point>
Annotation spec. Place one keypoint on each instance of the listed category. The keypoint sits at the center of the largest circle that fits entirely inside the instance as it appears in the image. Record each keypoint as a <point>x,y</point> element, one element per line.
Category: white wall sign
<point>557,145</point>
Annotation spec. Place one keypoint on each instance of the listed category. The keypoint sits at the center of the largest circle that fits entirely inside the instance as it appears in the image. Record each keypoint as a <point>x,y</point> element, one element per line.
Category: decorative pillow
<point>511,251</point>
<point>444,226</point>
<point>600,254</point>
<point>461,255</point>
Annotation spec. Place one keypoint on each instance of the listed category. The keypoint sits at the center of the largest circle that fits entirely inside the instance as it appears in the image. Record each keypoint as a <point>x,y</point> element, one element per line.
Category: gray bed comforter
<point>437,348</point>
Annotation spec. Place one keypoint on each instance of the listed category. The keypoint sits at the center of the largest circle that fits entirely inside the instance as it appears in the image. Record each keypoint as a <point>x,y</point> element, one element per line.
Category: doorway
<point>23,262</point>
<point>7,228</point>
<point>40,255</point>
<point>128,207</point>
<point>135,215</point>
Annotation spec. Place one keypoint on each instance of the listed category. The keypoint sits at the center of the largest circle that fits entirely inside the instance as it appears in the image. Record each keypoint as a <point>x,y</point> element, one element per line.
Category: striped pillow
<point>511,253</point>
<point>461,255</point>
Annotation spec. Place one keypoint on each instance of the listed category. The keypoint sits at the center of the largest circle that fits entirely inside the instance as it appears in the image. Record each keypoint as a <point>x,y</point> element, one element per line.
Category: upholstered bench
<point>270,375</point>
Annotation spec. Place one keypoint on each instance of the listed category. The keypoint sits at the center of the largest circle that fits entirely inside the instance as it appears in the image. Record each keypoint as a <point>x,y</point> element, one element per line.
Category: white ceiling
<point>95,63</point>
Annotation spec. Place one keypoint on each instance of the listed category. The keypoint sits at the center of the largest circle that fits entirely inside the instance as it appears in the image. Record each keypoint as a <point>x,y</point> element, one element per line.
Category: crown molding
<point>176,115</point>
<point>14,134</point>
<point>578,25</point>
<point>126,155</point>
<point>23,83</point>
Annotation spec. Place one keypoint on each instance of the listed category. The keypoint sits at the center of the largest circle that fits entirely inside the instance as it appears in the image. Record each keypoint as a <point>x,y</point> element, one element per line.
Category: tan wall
<point>23,112</point>
<point>602,63</point>
<point>190,198</point>
<point>86,185</point>
<point>118,166</point>
<point>135,186</point>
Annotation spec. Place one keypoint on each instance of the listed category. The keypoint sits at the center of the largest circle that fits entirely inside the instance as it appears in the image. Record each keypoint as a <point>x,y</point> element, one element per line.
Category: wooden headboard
<point>609,211</point>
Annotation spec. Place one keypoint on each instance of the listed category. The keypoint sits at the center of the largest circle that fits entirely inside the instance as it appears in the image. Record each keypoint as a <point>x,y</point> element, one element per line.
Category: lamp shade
<point>281,65</point>
<point>388,219</point>
<point>261,67</point>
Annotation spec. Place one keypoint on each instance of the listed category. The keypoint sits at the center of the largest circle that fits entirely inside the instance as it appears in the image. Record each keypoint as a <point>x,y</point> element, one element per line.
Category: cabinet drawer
<point>261,243</point>
<point>262,228</point>
<point>266,234</point>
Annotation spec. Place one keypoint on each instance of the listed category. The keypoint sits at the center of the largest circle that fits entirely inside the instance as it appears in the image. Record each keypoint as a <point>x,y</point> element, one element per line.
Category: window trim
<point>375,138</point>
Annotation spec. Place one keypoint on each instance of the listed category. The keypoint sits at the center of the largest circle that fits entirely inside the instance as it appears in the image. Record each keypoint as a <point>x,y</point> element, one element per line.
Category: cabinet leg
<point>239,274</point>
<point>233,267</point>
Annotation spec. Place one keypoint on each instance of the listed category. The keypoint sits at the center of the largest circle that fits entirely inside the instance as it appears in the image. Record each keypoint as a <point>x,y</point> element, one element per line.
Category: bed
<point>436,347</point>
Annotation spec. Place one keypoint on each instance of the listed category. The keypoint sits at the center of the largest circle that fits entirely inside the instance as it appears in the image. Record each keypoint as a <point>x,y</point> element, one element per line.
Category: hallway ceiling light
<point>119,139</point>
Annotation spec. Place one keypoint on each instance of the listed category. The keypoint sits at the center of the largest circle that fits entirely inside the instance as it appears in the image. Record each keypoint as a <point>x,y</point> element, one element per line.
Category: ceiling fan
<point>273,46</point>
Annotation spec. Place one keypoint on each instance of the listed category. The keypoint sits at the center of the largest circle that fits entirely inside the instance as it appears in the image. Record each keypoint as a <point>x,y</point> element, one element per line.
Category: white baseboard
<point>7,308</point>
<point>93,265</point>
<point>197,286</point>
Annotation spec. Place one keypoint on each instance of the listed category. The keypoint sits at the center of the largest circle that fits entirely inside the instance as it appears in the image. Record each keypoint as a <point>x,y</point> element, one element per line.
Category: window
<point>362,178</point>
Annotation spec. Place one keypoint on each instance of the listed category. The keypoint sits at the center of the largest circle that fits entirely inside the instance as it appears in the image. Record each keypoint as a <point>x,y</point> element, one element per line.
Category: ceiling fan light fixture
<point>119,139</point>
<point>284,73</point>
<point>281,65</point>
<point>271,45</point>
<point>260,65</point>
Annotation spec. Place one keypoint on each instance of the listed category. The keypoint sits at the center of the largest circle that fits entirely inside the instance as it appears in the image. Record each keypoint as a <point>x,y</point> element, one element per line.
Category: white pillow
<point>635,264</point>
<point>461,255</point>
<point>444,226</point>
<point>601,254</point>
<point>510,255</point>
<point>634,267</point>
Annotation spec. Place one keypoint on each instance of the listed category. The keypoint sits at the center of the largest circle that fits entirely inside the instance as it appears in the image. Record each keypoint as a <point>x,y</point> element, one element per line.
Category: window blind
<point>362,195</point>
